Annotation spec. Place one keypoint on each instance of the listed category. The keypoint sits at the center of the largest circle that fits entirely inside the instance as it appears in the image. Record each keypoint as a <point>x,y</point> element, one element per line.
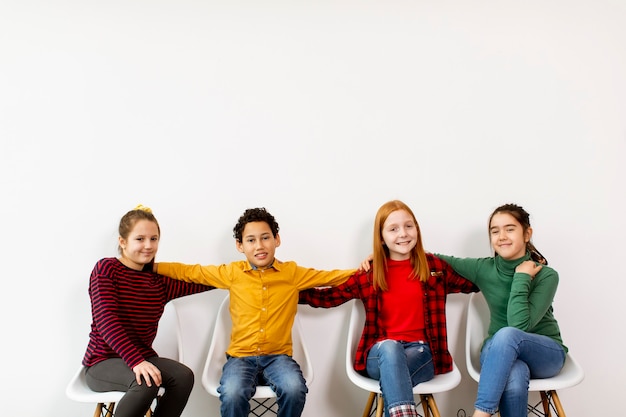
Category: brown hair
<point>381,252</point>
<point>523,218</point>
<point>130,219</point>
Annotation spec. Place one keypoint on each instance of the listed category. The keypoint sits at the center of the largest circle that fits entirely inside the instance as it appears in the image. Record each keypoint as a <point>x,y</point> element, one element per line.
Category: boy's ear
<point>277,238</point>
<point>239,246</point>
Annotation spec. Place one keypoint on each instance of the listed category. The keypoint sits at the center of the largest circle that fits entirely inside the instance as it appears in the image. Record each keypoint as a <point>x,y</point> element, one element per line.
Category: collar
<point>250,267</point>
<point>507,266</point>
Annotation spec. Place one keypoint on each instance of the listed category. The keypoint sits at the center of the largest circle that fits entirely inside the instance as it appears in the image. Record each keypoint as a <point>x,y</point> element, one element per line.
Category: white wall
<point>320,111</point>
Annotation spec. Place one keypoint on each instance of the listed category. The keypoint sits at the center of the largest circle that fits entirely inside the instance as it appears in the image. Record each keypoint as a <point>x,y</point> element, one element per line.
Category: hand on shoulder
<point>531,268</point>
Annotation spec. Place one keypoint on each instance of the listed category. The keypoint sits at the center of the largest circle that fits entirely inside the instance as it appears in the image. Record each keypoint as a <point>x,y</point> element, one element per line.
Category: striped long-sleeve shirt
<point>442,281</point>
<point>126,306</point>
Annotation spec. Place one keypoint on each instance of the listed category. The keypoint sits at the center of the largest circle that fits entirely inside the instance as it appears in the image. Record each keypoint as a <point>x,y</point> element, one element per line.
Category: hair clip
<point>143,208</point>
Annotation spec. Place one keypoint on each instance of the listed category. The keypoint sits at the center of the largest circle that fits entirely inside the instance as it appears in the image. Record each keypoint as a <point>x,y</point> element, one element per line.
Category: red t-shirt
<point>402,307</point>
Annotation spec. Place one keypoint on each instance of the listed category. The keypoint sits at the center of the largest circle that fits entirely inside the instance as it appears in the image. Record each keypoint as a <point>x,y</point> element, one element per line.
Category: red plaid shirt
<point>443,280</point>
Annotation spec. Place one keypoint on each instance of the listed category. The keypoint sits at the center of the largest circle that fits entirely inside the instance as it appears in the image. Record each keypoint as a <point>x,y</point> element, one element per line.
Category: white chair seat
<point>478,317</point>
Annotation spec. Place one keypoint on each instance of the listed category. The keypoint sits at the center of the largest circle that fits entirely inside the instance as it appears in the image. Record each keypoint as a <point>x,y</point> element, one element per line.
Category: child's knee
<point>293,387</point>
<point>234,389</point>
<point>389,347</point>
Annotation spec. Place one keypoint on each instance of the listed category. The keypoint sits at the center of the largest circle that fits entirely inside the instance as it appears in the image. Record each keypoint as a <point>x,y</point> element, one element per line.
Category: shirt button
<point>262,330</point>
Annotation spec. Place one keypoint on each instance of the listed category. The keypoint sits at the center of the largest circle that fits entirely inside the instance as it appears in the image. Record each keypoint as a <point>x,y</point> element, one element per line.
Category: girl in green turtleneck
<point>524,340</point>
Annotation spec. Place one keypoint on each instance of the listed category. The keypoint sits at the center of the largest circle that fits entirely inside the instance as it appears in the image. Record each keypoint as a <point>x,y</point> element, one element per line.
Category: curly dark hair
<point>259,214</point>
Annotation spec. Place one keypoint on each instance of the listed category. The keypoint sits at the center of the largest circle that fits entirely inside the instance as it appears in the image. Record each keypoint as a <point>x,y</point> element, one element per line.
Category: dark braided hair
<point>254,215</point>
<point>523,218</point>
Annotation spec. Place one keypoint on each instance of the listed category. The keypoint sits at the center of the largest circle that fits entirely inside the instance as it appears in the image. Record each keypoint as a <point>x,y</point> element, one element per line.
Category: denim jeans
<point>508,360</point>
<point>240,377</point>
<point>399,366</point>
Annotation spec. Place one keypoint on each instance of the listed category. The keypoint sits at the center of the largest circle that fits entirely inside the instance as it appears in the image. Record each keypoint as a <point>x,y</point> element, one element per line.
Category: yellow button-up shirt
<point>263,302</point>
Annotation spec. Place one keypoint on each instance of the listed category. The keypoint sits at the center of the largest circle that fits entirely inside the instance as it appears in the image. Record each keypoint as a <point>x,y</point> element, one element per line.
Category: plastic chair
<point>264,399</point>
<point>166,346</point>
<point>572,374</point>
<point>425,390</point>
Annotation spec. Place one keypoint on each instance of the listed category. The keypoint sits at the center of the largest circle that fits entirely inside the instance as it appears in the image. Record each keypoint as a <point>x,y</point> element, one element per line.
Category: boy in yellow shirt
<point>264,296</point>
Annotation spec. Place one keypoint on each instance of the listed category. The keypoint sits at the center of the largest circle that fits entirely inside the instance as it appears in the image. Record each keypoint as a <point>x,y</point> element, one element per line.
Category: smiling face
<point>141,245</point>
<point>399,233</point>
<point>258,244</point>
<point>508,237</point>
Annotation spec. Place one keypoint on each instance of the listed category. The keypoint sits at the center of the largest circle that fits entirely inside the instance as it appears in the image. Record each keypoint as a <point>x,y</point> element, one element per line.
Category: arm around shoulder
<point>209,275</point>
<point>327,297</point>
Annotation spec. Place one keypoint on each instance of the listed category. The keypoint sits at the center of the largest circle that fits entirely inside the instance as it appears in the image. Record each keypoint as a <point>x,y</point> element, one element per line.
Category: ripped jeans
<point>399,366</point>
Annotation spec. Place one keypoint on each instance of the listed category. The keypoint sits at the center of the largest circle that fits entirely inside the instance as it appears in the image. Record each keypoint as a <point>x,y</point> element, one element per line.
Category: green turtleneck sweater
<point>514,299</point>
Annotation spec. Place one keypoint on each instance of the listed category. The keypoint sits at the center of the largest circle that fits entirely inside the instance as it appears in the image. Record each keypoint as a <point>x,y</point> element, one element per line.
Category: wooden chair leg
<point>425,405</point>
<point>380,410</point>
<point>545,401</point>
<point>109,409</point>
<point>98,412</point>
<point>369,404</point>
<point>429,405</point>
<point>557,403</point>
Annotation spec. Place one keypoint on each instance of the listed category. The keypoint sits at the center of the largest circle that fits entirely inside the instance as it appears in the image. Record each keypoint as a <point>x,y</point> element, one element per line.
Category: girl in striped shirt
<point>127,301</point>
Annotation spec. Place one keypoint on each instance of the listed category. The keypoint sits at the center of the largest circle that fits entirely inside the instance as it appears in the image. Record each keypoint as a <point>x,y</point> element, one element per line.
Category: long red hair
<point>381,252</point>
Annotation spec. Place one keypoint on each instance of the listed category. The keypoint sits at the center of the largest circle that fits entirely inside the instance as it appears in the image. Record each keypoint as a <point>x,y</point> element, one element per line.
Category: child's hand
<point>531,268</point>
<point>366,264</point>
<point>149,372</point>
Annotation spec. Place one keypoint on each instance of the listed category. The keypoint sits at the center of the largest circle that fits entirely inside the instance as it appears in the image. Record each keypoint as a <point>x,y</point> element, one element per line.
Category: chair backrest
<point>169,342</point>
<point>216,357</point>
<point>476,331</point>
<point>355,329</point>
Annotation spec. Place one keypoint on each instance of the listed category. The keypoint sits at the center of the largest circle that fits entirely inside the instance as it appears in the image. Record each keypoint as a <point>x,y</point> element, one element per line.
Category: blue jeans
<point>240,377</point>
<point>508,360</point>
<point>399,366</point>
